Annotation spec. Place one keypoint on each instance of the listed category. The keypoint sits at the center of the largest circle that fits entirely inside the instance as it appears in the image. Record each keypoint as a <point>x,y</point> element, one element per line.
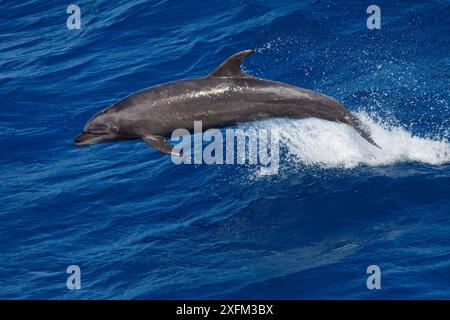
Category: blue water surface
<point>141,227</point>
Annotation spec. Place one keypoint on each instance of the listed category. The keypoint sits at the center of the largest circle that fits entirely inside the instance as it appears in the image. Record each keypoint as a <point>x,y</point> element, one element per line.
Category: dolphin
<point>225,97</point>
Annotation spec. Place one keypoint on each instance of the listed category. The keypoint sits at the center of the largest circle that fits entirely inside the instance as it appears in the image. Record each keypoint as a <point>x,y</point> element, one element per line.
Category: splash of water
<point>327,144</point>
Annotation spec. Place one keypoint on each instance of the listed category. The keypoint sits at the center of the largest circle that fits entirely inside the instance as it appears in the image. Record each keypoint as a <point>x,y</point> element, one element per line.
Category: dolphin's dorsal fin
<point>231,68</point>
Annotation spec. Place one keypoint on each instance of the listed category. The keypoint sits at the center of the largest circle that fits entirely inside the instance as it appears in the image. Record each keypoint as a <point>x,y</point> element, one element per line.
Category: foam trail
<point>328,144</point>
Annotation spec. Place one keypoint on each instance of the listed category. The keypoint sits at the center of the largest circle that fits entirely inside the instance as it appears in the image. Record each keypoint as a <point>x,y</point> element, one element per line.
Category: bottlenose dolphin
<point>225,97</point>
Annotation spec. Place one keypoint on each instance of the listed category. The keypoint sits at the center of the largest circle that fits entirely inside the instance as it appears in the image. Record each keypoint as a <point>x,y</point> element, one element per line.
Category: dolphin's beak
<point>85,138</point>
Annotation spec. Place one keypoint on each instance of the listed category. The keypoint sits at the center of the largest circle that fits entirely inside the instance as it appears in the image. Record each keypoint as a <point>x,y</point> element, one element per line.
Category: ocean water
<point>141,227</point>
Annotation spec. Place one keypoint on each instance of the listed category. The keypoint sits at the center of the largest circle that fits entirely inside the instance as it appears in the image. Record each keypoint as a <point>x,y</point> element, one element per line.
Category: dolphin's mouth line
<point>95,133</point>
<point>85,138</point>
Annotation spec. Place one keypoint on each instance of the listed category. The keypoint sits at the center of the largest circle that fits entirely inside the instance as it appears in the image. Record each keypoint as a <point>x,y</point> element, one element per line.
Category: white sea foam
<point>328,144</point>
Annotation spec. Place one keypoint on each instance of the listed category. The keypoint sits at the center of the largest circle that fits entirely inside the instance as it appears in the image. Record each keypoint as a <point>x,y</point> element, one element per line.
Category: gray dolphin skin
<point>225,97</point>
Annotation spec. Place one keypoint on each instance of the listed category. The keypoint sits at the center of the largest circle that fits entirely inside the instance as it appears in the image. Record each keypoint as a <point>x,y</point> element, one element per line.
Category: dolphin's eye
<point>114,129</point>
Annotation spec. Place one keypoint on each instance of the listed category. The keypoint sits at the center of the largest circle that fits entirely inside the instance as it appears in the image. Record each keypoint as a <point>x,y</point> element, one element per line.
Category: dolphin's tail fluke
<point>360,128</point>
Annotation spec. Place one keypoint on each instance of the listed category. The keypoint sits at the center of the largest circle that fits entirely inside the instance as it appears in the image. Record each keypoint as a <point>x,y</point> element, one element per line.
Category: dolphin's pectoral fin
<point>232,66</point>
<point>160,143</point>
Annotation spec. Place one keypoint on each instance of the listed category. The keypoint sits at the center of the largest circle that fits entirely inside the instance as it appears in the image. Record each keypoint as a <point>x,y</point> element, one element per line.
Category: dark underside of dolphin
<point>225,97</point>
